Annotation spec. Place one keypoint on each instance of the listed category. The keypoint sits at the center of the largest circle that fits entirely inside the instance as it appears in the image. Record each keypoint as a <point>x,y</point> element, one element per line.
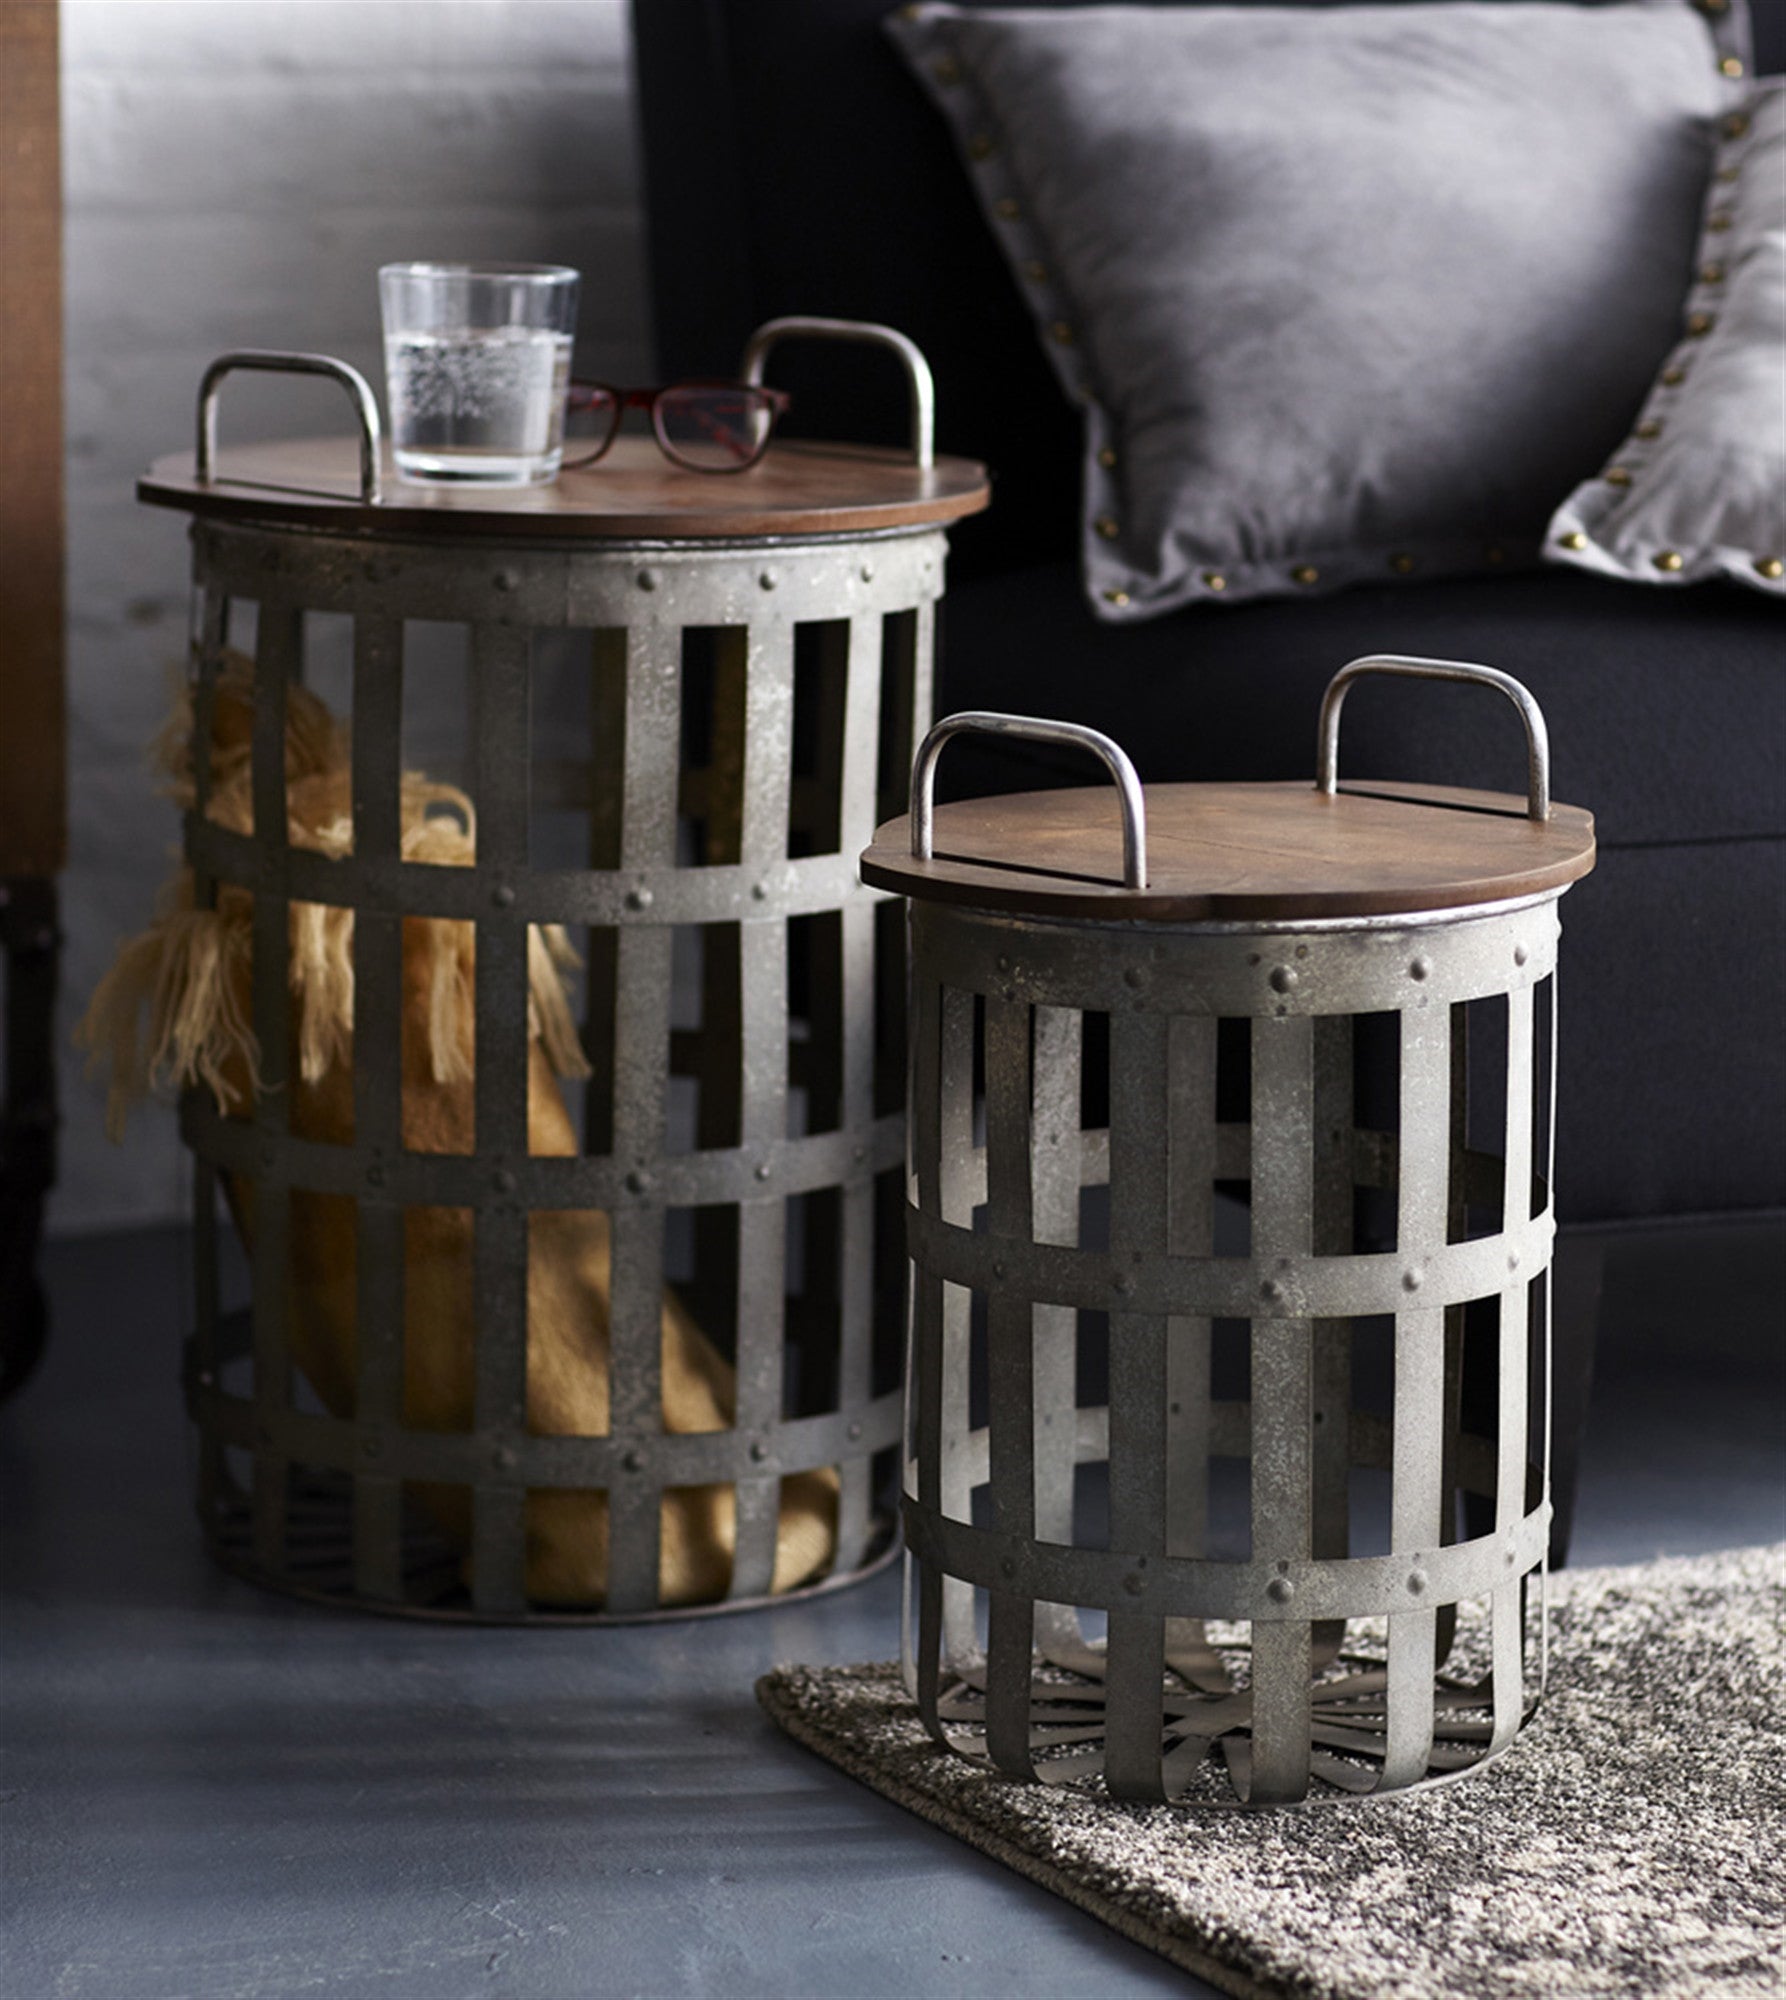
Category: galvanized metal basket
<point>1207,1236</point>
<point>755,654</point>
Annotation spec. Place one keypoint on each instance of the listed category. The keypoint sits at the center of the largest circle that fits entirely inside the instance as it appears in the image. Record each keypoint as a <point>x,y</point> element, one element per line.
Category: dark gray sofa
<point>793,166</point>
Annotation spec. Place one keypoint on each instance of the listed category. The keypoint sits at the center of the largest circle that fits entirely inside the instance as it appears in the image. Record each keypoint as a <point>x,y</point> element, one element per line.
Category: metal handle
<point>981,723</point>
<point>1537,736</point>
<point>917,370</point>
<point>274,361</point>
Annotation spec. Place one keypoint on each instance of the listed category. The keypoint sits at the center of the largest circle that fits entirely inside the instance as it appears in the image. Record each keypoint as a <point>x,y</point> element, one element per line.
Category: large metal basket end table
<point>1230,1167</point>
<point>755,659</point>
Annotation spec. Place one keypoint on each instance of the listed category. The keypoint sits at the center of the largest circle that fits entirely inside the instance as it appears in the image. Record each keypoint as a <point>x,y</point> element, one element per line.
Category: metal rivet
<point>1302,951</point>
<point>1411,1281</point>
<point>767,580</point>
<point>1711,274</point>
<point>1700,324</point>
<point>1282,978</point>
<point>1728,176</point>
<point>1107,527</point>
<point>1134,976</point>
<point>637,1180</point>
<point>1401,564</point>
<point>503,1180</point>
<point>981,146</point>
<point>1717,224</point>
<point>866,572</point>
<point>1036,271</point>
<point>1732,66</point>
<point>505,579</point>
<point>632,1461</point>
<point>1107,459</point>
<point>1062,329</point>
<point>1422,968</point>
<point>759,892</point>
<point>758,1450</point>
<point>1416,1582</point>
<point>647,579</point>
<point>1280,1590</point>
<point>1272,1290</point>
<point>763,1170</point>
<point>1305,574</point>
<point>1651,427</point>
<point>1520,954</point>
<point>1770,567</point>
<point>1672,378</point>
<point>1616,475</point>
<point>1117,597</point>
<point>1214,580</point>
<point>638,899</point>
<point>1006,210</point>
<point>503,896</point>
<point>947,71</point>
<point>1668,560</point>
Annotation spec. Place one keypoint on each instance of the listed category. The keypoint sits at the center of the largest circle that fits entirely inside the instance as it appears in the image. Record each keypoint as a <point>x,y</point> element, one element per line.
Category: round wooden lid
<point>632,494</point>
<point>1238,853</point>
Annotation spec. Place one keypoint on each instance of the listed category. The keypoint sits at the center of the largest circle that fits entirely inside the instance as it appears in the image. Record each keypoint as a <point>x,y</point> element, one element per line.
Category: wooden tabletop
<point>1239,852</point>
<point>634,493</point>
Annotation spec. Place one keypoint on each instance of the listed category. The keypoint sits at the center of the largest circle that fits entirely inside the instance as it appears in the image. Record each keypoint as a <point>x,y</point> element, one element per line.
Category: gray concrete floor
<point>210,1791</point>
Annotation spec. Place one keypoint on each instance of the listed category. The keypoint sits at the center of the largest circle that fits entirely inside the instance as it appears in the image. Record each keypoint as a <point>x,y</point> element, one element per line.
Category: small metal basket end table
<point>1230,1168</point>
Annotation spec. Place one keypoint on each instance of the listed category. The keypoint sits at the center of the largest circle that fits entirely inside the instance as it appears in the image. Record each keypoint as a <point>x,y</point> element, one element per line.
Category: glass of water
<point>477,361</point>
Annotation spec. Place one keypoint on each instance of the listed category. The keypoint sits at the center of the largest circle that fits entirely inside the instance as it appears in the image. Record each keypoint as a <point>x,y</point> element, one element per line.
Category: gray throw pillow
<point>1346,292</point>
<point>1699,487</point>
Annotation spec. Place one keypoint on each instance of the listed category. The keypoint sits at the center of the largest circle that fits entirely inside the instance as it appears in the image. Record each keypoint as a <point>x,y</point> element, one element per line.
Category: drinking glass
<point>477,361</point>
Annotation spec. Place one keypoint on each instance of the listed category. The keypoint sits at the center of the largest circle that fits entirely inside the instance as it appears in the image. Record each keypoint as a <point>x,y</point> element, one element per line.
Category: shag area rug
<point>1628,1844</point>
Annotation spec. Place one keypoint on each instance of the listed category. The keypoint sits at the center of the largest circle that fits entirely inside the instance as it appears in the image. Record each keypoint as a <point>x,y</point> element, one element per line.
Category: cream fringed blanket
<point>190,972</point>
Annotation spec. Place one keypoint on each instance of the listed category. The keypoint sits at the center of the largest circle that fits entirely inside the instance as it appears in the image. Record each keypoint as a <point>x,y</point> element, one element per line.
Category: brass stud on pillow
<point>1107,458</point>
<point>981,146</point>
<point>1700,324</point>
<point>1711,274</point>
<point>1616,475</point>
<point>1731,66</point>
<point>1214,580</point>
<point>1117,597</point>
<point>1672,378</point>
<point>1736,125</point>
<point>1668,559</point>
<point>1006,210</point>
<point>1770,567</point>
<point>1651,427</point>
<point>947,72</point>
<point>1401,564</point>
<point>1036,271</point>
<point>1062,330</point>
<point>1305,574</point>
<point>1574,539</point>
<point>1107,527</point>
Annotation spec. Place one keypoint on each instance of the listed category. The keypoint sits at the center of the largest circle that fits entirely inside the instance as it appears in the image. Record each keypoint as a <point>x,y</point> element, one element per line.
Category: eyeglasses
<point>701,426</point>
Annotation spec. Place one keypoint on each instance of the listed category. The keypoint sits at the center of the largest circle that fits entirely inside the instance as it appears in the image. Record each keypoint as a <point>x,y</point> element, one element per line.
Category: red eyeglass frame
<point>578,395</point>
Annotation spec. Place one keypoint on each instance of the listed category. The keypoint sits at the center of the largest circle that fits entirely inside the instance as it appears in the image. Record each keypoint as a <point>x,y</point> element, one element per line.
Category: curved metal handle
<point>274,361</point>
<point>1537,736</point>
<point>919,380</point>
<point>981,723</point>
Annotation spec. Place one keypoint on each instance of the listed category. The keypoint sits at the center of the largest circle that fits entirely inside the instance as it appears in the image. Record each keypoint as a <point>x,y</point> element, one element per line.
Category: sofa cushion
<point>1383,335</point>
<point>1698,489</point>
